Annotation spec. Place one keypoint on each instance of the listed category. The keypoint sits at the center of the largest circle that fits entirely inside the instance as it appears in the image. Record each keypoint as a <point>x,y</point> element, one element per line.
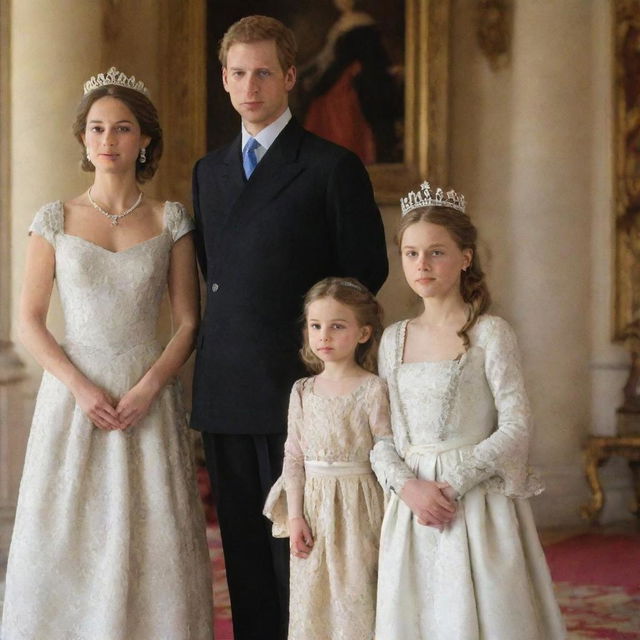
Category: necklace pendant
<point>114,222</point>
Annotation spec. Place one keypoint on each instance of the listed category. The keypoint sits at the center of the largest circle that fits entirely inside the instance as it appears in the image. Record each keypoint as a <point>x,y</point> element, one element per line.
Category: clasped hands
<point>432,503</point>
<point>110,415</point>
<point>300,537</point>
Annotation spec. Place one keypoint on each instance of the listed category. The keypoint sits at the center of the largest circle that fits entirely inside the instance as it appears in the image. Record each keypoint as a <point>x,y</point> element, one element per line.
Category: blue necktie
<point>249,158</point>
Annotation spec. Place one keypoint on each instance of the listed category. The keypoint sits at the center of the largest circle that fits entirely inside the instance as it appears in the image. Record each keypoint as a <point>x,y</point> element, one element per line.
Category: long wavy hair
<point>473,286</point>
<point>367,310</point>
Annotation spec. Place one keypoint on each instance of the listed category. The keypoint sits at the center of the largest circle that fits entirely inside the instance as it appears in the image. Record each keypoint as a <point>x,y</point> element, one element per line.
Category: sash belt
<point>336,469</point>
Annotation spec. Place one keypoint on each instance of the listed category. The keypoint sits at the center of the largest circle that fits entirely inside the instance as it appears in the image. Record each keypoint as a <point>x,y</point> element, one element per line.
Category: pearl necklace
<point>112,216</point>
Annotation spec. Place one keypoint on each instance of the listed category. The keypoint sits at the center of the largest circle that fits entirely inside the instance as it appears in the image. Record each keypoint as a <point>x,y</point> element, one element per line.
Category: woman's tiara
<point>113,76</point>
<point>426,198</point>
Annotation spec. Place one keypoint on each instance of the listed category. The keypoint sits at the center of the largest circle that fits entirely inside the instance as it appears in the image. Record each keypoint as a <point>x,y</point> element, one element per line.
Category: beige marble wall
<point>531,148</point>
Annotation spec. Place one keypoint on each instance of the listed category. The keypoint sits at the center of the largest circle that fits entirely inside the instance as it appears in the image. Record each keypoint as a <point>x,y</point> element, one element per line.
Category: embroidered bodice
<point>110,300</point>
<point>477,401</point>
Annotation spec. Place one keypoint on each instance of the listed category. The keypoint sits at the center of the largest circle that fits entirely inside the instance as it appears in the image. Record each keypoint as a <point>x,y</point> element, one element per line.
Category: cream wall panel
<point>531,148</point>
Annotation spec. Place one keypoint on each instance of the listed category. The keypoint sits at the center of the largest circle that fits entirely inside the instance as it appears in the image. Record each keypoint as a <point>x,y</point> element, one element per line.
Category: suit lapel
<point>232,176</point>
<point>274,172</point>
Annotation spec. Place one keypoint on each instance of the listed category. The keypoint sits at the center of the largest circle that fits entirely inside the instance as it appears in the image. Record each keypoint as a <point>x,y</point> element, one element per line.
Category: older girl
<point>459,553</point>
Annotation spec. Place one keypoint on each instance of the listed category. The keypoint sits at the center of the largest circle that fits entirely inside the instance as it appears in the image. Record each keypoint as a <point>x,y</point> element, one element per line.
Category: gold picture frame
<point>626,311</point>
<point>426,103</point>
<point>426,96</point>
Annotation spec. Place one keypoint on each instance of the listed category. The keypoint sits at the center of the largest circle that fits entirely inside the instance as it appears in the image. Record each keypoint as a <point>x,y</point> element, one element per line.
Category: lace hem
<point>275,508</point>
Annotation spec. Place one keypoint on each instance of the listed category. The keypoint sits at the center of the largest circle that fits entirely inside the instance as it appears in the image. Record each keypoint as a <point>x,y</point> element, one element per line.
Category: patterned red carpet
<point>597,579</point>
<point>221,606</point>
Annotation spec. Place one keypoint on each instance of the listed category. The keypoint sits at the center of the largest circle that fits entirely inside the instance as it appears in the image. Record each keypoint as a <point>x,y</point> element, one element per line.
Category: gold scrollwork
<point>598,451</point>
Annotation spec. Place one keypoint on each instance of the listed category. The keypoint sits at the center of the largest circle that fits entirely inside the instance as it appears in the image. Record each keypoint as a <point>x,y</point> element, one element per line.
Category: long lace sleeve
<point>501,459</point>
<point>293,467</point>
<point>285,500</point>
<point>389,467</point>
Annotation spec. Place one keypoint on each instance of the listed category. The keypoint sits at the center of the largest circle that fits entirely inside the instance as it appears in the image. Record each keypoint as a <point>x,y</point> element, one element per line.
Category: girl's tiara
<point>113,76</point>
<point>353,285</point>
<point>426,198</point>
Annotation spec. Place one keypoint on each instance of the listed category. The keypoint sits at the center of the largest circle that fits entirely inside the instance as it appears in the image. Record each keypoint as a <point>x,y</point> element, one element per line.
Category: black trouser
<point>242,469</point>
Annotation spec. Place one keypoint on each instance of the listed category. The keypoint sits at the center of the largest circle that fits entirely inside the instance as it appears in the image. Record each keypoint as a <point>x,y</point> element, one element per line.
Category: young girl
<point>459,552</point>
<point>334,502</point>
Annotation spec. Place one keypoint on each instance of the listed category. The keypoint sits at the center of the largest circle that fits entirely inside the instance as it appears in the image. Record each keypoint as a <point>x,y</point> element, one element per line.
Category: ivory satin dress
<point>466,422</point>
<point>109,538</point>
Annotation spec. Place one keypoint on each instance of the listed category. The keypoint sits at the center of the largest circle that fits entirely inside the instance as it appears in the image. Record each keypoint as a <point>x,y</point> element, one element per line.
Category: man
<point>276,210</point>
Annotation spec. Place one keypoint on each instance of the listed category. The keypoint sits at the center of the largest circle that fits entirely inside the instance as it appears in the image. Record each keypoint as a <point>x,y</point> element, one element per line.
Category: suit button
<point>214,287</point>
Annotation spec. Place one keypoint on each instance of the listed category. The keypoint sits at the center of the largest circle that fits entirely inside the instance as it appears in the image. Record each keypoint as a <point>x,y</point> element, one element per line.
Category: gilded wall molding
<point>626,310</point>
<point>426,103</point>
<point>627,172</point>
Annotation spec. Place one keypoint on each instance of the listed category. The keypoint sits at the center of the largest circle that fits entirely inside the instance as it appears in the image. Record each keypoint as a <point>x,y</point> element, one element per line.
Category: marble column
<point>47,50</point>
<point>11,367</point>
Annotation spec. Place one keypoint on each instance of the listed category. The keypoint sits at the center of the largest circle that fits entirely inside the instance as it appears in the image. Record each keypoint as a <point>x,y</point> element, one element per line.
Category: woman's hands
<point>300,538</point>
<point>431,502</point>
<point>103,411</point>
<point>97,405</point>
<point>135,404</point>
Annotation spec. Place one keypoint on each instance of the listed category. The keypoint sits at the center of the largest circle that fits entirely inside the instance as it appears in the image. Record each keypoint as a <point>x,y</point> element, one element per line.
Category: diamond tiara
<point>353,285</point>
<point>427,198</point>
<point>113,76</point>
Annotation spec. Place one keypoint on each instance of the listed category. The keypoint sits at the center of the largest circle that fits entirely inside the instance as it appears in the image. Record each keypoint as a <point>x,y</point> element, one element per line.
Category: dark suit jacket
<point>306,213</point>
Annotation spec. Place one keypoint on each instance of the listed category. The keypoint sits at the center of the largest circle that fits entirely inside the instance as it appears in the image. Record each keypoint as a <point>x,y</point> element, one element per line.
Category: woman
<point>109,539</point>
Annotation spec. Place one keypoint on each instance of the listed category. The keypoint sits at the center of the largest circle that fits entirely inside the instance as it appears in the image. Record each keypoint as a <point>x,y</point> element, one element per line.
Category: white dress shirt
<point>267,136</point>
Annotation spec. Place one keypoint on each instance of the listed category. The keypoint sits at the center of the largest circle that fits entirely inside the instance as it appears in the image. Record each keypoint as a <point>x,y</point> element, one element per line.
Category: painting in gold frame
<point>426,47</point>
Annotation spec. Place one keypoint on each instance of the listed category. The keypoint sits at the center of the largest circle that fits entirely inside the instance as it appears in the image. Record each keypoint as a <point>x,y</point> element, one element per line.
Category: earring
<point>88,155</point>
<point>143,155</point>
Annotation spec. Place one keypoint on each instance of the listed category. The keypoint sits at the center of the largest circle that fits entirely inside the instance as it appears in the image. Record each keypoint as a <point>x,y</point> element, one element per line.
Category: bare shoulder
<point>157,207</point>
<point>80,202</point>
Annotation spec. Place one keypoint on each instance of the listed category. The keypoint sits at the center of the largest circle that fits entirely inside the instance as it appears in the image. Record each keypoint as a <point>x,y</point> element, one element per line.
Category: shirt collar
<point>267,136</point>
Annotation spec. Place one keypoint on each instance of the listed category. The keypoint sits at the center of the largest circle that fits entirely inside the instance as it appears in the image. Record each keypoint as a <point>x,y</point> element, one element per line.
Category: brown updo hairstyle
<point>473,287</point>
<point>367,310</point>
<point>144,112</point>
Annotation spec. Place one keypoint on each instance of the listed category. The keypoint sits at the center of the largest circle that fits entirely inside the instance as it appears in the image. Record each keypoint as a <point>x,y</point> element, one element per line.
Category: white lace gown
<point>332,592</point>
<point>109,538</point>
<point>466,422</point>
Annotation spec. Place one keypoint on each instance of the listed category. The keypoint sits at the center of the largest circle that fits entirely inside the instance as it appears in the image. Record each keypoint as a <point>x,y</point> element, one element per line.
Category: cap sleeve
<point>179,222</point>
<point>48,222</point>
